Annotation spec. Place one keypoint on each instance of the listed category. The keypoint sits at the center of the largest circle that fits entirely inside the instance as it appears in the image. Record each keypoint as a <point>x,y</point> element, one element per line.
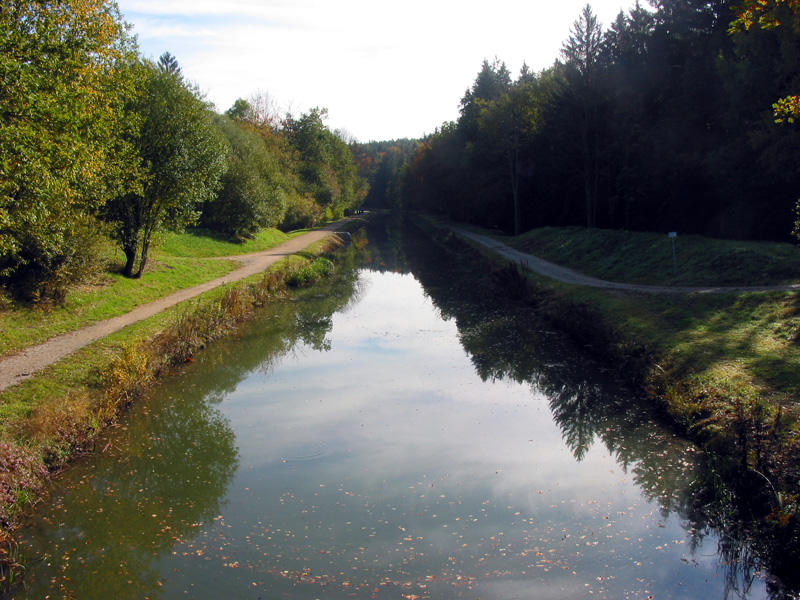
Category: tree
<point>181,159</point>
<point>768,14</point>
<point>630,77</point>
<point>326,167</point>
<point>507,122</point>
<point>252,194</point>
<point>383,164</point>
<point>63,81</point>
<point>764,13</point>
<point>492,82</point>
<point>582,54</point>
<point>169,64</point>
<point>240,111</point>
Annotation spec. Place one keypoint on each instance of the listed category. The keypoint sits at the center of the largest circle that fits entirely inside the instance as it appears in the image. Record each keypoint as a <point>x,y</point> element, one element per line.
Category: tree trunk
<point>587,181</point>
<point>590,167</point>
<point>513,161</point>
<point>130,259</point>
<point>143,258</point>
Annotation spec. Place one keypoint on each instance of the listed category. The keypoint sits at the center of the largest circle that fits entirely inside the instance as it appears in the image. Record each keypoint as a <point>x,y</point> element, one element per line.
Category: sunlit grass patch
<point>23,326</point>
<point>179,261</point>
<point>202,243</point>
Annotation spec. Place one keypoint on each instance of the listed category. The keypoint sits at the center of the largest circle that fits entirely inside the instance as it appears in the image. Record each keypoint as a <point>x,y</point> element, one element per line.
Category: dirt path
<point>566,275</point>
<point>18,367</point>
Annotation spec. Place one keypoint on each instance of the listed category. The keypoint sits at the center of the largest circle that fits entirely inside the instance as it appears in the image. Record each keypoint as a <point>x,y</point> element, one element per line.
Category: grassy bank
<point>744,341</point>
<point>50,418</point>
<point>647,258</point>
<point>723,369</point>
<point>180,261</point>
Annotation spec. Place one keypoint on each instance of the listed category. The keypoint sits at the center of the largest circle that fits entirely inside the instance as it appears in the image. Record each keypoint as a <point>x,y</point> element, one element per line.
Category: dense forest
<point>98,143</point>
<point>674,118</point>
<point>677,117</point>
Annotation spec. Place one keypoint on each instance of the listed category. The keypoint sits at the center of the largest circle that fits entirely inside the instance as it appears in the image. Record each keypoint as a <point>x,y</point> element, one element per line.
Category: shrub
<point>58,430</point>
<point>21,474</point>
<point>301,212</point>
<point>308,274</point>
<point>127,376</point>
<point>48,268</point>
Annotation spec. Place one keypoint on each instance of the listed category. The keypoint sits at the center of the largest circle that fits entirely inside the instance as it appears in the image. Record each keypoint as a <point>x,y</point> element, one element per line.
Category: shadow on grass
<point>759,331</point>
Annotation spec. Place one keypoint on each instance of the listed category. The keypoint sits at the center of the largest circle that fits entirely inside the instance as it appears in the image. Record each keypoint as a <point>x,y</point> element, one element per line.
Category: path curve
<point>566,275</point>
<point>19,367</point>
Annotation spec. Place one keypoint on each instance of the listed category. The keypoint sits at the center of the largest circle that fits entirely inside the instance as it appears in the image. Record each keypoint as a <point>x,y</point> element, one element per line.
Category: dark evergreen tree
<point>584,96</point>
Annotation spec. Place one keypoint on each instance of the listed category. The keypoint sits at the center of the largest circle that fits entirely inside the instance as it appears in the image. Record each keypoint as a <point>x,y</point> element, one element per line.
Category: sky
<point>383,70</point>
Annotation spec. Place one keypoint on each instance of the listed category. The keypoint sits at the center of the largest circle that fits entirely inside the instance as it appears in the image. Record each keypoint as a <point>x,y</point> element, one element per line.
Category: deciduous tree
<point>62,83</point>
<point>326,163</point>
<point>182,158</point>
<point>768,14</point>
<point>253,191</point>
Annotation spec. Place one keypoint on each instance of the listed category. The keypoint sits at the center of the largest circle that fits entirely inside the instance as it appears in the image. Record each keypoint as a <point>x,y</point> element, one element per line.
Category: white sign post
<point>672,236</point>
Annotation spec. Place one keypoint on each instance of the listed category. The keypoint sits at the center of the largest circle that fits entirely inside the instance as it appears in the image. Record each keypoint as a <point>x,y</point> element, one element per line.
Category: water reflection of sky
<point>387,468</point>
<point>383,467</point>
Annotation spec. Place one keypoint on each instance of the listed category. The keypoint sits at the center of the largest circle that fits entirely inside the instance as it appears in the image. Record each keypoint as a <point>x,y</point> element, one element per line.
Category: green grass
<point>721,341</point>
<point>732,342</point>
<point>202,243</point>
<point>73,374</point>
<point>179,261</point>
<point>646,258</point>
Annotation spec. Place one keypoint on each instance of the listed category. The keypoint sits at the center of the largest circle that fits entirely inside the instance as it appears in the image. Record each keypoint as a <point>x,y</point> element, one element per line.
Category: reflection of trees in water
<point>161,476</point>
<point>176,461</point>
<point>505,340</point>
<point>386,250</point>
<point>279,331</point>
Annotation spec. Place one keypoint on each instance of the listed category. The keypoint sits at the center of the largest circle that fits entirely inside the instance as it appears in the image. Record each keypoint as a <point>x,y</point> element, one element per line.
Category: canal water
<point>400,432</point>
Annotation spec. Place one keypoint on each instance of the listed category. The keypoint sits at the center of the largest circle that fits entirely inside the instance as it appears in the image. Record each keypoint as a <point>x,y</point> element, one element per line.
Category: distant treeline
<point>98,143</point>
<point>677,118</point>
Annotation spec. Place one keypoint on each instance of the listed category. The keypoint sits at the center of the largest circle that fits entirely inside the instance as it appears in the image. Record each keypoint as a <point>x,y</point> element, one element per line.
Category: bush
<point>318,269</point>
<point>21,475</point>
<point>48,268</point>
<point>301,212</point>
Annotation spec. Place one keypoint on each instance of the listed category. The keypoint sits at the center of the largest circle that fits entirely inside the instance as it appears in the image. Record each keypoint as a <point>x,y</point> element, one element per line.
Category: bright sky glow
<point>384,70</point>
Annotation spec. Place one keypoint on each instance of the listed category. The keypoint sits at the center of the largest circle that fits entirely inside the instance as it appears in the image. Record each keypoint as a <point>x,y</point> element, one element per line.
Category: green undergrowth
<point>180,261</point>
<point>647,258</point>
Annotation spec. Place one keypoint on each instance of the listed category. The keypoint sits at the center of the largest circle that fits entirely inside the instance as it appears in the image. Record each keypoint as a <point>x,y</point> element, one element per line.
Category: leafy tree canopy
<point>253,192</point>
<point>326,163</point>
<point>63,80</point>
<point>181,159</point>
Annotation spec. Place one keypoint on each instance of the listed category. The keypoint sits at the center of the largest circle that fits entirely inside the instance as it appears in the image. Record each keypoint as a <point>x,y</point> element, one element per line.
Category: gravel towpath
<point>566,275</point>
<point>20,366</point>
